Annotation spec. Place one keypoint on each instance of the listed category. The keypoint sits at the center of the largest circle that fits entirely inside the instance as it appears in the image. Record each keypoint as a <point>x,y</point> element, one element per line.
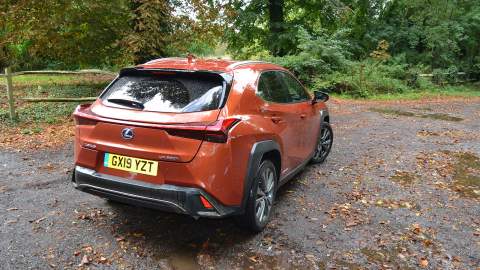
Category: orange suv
<point>207,138</point>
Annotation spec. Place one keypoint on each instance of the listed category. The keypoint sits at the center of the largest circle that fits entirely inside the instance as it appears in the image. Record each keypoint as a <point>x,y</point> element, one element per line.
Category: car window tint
<point>272,88</point>
<point>296,90</point>
<point>169,93</point>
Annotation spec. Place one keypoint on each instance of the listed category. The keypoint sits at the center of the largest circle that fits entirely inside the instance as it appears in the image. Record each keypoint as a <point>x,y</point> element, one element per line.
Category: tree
<point>40,34</point>
<point>151,29</point>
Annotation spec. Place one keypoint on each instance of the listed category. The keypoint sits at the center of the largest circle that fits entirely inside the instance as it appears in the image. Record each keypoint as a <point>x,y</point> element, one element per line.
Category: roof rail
<point>241,63</point>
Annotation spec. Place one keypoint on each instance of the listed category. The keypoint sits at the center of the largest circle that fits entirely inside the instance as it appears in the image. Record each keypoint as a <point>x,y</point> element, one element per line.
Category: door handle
<point>276,119</point>
<point>303,116</point>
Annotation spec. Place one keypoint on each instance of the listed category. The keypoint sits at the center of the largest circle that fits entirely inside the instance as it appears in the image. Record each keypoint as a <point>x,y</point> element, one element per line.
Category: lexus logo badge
<point>127,133</point>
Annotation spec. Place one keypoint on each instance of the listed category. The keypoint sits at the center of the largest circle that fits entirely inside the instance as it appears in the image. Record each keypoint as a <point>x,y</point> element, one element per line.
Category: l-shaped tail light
<point>218,131</point>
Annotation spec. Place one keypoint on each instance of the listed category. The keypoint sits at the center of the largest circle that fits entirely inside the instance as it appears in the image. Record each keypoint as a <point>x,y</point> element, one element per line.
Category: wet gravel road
<point>400,190</point>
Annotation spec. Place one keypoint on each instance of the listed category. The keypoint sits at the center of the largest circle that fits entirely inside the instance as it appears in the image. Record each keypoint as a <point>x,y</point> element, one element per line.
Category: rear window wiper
<point>126,102</point>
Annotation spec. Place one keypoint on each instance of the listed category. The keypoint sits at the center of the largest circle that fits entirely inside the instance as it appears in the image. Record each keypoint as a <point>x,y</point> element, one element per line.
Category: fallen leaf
<point>423,262</point>
<point>11,221</point>
<point>88,249</point>
<point>85,261</point>
<point>38,220</point>
<point>416,228</point>
<point>137,234</point>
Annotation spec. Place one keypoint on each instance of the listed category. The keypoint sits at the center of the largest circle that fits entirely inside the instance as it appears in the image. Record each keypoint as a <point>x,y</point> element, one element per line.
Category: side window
<point>295,89</point>
<point>271,87</point>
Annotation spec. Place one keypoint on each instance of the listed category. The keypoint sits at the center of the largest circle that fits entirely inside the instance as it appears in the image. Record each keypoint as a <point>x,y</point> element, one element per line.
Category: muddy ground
<point>400,190</point>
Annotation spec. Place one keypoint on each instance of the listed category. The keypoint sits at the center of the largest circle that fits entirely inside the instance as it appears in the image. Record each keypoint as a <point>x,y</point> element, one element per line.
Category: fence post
<point>11,101</point>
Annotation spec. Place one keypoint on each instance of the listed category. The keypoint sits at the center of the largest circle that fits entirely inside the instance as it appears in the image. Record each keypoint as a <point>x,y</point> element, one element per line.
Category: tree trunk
<point>277,26</point>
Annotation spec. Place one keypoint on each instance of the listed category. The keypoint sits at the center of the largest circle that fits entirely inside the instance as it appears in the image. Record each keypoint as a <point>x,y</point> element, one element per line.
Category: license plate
<point>130,164</point>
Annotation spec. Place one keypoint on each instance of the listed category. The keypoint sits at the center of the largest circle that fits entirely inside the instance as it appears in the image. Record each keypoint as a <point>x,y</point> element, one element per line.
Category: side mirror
<point>320,96</point>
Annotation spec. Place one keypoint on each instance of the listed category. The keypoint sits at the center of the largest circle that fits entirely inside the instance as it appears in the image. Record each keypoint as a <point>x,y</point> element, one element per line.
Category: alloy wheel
<point>324,144</point>
<point>264,194</point>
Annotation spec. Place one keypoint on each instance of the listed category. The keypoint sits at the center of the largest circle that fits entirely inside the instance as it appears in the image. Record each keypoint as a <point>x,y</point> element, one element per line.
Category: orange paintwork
<point>217,168</point>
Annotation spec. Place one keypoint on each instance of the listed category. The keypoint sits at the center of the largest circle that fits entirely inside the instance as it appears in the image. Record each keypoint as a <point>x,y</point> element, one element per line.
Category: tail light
<point>79,119</point>
<point>84,121</point>
<point>218,132</point>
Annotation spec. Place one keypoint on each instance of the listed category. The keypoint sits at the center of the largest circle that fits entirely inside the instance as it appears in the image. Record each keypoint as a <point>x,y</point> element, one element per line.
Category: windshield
<point>169,92</point>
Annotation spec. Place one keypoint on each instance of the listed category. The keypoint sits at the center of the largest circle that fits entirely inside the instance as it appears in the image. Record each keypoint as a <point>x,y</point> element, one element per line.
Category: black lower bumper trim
<point>170,198</point>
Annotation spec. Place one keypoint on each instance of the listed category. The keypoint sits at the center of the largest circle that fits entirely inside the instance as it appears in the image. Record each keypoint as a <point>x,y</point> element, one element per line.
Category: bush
<point>321,54</point>
<point>369,78</point>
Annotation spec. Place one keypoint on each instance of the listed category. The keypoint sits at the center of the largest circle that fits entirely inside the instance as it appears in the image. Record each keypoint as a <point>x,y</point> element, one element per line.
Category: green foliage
<point>152,28</point>
<point>89,33</point>
<point>62,34</point>
<point>367,47</point>
<point>369,78</point>
<point>320,54</point>
<point>50,86</point>
<point>364,47</point>
<point>45,112</point>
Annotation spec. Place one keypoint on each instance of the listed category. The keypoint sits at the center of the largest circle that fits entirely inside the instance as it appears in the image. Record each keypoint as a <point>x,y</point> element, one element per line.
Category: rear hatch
<point>153,114</point>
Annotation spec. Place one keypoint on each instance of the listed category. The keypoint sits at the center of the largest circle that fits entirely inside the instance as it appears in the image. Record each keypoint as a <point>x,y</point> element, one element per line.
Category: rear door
<point>153,115</point>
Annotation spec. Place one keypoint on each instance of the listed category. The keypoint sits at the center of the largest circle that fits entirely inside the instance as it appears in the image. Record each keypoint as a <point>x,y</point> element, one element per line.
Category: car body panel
<point>221,170</point>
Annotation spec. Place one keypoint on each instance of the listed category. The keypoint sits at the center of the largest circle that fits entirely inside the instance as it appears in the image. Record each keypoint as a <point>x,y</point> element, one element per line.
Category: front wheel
<point>261,198</point>
<point>324,143</point>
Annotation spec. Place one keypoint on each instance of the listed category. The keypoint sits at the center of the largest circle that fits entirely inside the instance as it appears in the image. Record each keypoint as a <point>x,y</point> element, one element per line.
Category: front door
<point>280,109</point>
<point>307,118</point>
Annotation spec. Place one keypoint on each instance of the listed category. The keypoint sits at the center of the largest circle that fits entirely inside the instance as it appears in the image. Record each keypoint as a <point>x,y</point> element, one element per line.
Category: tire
<point>324,143</point>
<point>262,193</point>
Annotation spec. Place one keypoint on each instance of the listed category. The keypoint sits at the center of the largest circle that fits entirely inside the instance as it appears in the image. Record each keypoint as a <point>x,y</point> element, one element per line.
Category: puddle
<point>183,258</point>
<point>346,265</point>
<point>392,112</point>
<point>435,116</point>
<point>460,171</point>
<point>184,261</point>
<point>282,260</point>
<point>423,109</point>
<point>391,257</point>
<point>404,178</point>
<point>466,175</point>
<point>442,116</point>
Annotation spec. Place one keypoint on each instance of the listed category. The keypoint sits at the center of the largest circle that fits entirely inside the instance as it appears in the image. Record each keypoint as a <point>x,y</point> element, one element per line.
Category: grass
<point>32,115</point>
<point>469,90</point>
<point>33,79</point>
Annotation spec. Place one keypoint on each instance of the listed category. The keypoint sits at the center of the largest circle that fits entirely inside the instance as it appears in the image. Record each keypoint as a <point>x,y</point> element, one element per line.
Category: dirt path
<point>400,190</point>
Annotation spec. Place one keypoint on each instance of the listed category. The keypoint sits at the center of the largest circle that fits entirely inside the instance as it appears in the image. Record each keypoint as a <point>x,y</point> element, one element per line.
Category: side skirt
<point>295,171</point>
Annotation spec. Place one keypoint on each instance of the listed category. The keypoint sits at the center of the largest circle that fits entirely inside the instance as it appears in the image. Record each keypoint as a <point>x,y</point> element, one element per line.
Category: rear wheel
<point>261,197</point>
<point>324,144</point>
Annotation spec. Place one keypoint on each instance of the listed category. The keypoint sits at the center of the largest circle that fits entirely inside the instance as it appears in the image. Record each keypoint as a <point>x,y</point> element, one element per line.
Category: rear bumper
<point>169,198</point>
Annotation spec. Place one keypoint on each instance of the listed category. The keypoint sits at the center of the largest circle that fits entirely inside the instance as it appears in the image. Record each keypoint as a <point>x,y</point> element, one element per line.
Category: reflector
<point>205,202</point>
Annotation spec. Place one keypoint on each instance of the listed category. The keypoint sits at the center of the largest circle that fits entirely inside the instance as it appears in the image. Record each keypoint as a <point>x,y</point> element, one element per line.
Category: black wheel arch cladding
<point>259,149</point>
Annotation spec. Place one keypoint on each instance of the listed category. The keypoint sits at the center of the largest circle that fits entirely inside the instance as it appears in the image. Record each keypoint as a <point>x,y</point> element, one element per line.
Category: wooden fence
<point>9,85</point>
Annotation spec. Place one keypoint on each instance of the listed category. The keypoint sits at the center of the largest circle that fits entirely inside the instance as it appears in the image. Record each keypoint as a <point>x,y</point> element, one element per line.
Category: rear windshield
<point>176,92</point>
